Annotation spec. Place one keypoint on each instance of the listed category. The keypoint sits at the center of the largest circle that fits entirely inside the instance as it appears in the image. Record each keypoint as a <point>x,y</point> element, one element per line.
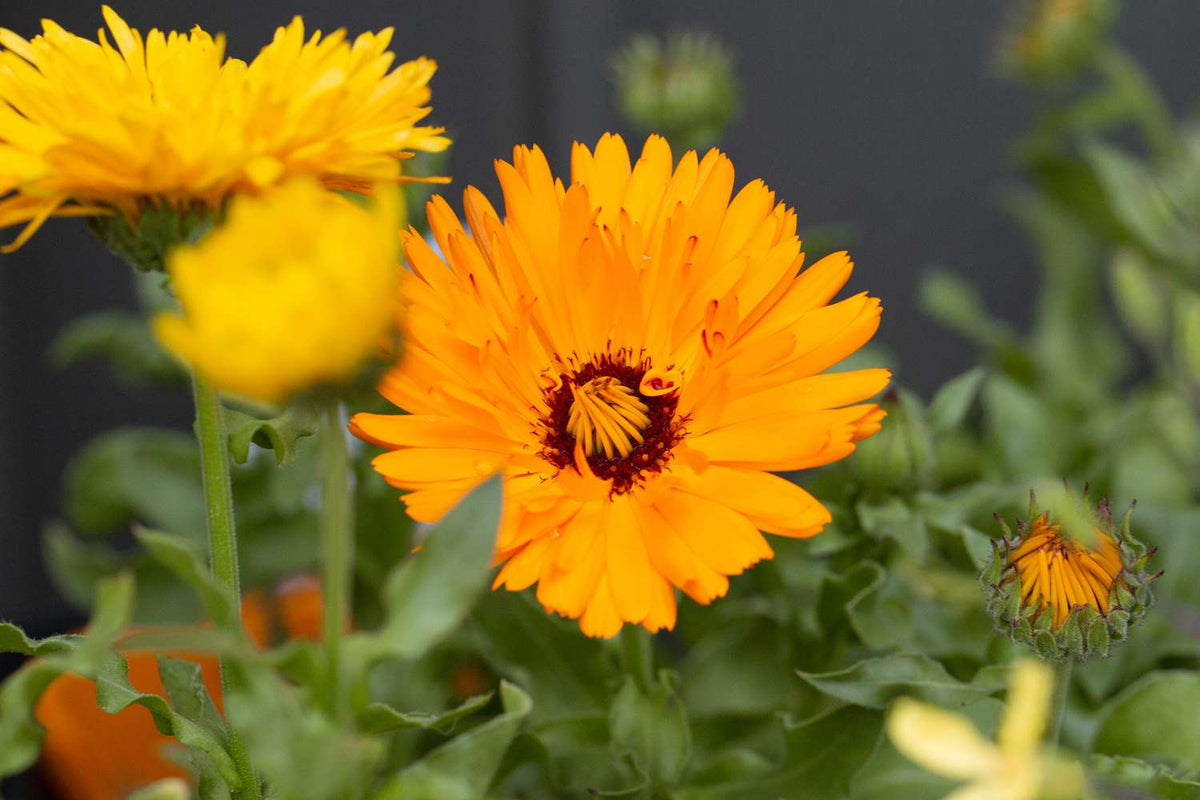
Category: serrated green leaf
<point>278,434</point>
<point>463,768</point>
<point>875,682</point>
<point>183,682</point>
<point>380,717</point>
<point>114,693</point>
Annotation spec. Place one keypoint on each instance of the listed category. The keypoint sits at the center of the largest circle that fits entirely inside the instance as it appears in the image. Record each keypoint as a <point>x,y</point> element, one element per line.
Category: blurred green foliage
<point>780,689</point>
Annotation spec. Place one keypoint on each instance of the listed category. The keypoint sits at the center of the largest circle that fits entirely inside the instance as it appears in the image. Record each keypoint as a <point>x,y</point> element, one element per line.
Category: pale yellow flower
<point>1014,767</point>
<point>297,289</point>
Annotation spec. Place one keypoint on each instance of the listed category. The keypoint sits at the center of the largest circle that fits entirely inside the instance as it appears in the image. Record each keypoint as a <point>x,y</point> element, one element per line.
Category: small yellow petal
<point>940,741</point>
<point>1024,719</point>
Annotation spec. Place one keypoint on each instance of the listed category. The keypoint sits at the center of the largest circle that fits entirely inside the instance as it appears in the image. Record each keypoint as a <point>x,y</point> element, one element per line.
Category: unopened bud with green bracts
<point>1064,592</point>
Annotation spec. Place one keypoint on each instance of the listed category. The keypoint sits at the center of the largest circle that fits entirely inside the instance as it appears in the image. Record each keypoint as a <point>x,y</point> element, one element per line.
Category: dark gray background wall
<point>883,114</point>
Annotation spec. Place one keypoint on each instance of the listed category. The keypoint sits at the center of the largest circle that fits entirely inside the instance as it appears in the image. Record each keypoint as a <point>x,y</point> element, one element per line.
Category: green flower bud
<point>1051,41</point>
<point>900,455</point>
<point>685,90</point>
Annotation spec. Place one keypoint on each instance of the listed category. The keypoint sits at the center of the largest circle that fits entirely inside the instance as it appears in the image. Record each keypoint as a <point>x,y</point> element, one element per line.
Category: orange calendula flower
<point>636,352</point>
<point>87,127</point>
<point>1064,595</point>
<point>1064,573</point>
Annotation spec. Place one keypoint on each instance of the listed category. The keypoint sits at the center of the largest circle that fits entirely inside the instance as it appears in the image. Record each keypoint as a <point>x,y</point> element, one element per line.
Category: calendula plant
<point>598,397</point>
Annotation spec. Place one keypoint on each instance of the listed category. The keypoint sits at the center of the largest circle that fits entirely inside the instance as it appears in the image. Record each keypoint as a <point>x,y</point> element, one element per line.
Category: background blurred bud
<point>1050,41</point>
<point>1138,298</point>
<point>684,89</point>
<point>900,455</point>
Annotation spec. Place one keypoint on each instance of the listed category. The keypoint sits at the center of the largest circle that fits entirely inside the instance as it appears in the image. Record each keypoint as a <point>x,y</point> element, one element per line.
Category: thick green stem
<point>337,542</point>
<point>1058,705</point>
<point>222,545</point>
<point>638,654</point>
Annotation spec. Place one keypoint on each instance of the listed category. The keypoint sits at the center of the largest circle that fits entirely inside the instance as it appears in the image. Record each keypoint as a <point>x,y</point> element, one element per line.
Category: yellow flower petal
<point>940,741</point>
<point>1024,720</point>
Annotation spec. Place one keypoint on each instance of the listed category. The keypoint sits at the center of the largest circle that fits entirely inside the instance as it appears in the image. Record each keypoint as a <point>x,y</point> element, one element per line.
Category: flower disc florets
<point>1064,596</point>
<point>618,412</point>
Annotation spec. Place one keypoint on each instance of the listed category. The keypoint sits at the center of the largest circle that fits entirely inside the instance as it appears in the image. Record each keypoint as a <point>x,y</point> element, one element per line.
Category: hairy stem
<point>222,545</point>
<point>1058,705</point>
<point>337,543</point>
<point>638,655</point>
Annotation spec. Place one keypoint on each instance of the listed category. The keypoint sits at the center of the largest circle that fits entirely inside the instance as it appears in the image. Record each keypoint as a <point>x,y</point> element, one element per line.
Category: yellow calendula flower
<point>297,289</point>
<point>87,127</point>
<point>1014,767</point>
<point>636,352</point>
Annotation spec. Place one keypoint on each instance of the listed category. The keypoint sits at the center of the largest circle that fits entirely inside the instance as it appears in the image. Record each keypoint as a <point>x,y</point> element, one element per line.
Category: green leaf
<point>114,693</point>
<point>871,603</point>
<point>278,434</point>
<point>875,682</point>
<point>121,338</point>
<point>178,556</point>
<point>1156,718</point>
<point>1023,430</point>
<point>894,519</point>
<point>151,476</point>
<point>463,768</point>
<point>822,756</point>
<point>183,681</point>
<point>567,673</point>
<point>301,752</point>
<point>380,717</point>
<point>948,409</point>
<point>428,595</point>
<point>652,730</point>
<point>90,657</point>
<point>1139,775</point>
<point>20,733</point>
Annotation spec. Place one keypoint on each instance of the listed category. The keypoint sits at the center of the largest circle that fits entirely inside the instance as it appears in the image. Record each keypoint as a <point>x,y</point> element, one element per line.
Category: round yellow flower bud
<point>297,289</point>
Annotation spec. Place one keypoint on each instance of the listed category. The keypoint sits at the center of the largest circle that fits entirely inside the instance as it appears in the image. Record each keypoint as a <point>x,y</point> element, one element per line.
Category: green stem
<point>638,655</point>
<point>222,545</point>
<point>337,543</point>
<point>1142,98</point>
<point>1058,706</point>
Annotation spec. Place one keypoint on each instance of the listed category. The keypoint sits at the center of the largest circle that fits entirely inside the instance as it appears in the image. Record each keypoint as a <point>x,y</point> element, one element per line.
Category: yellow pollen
<point>607,417</point>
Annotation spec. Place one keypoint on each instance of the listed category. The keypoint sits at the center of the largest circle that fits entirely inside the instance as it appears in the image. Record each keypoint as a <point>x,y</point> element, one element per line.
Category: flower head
<point>1063,595</point>
<point>297,289</point>
<point>1014,768</point>
<point>636,353</point>
<point>165,119</point>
